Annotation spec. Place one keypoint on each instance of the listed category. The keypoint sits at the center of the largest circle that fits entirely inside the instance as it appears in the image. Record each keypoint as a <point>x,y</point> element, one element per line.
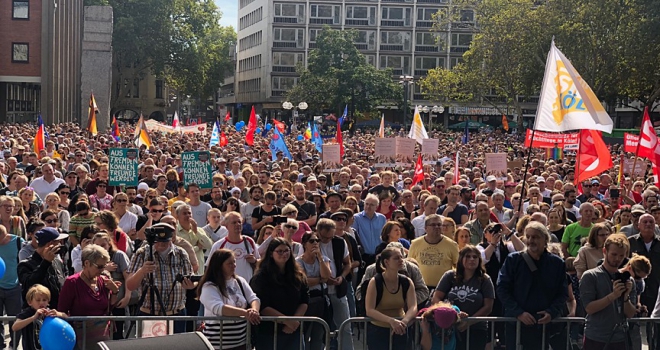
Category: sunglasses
<point>157,211</point>
<point>340,219</point>
<point>290,226</point>
<point>50,221</point>
<point>121,200</point>
<point>313,240</point>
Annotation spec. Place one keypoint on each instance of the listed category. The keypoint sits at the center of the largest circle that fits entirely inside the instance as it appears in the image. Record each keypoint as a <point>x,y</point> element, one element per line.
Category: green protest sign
<point>197,169</point>
<point>123,165</point>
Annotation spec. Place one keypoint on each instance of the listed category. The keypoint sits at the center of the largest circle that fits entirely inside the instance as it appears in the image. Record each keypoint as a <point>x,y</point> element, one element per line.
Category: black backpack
<point>404,282</point>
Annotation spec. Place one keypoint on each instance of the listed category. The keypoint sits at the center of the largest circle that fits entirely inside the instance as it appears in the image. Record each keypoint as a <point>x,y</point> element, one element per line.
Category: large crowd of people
<point>282,237</point>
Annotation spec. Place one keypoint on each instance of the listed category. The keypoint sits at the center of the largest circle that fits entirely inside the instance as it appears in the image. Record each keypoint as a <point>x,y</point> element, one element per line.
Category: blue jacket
<point>514,285</point>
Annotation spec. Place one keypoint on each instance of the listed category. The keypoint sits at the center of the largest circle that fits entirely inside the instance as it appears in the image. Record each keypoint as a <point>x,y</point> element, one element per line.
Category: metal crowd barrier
<point>415,331</point>
<point>195,319</point>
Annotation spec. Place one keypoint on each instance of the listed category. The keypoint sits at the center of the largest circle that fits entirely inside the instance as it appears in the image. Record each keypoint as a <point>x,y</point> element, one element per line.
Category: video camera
<point>194,278</point>
<point>162,231</point>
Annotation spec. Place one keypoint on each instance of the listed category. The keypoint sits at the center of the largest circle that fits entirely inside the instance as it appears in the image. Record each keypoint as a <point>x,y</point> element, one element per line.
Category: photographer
<point>165,262</point>
<point>609,298</point>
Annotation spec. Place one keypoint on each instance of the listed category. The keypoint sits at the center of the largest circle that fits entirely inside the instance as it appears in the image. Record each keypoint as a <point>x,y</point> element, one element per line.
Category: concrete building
<point>97,63</point>
<point>40,50</point>
<point>140,94</point>
<point>274,36</point>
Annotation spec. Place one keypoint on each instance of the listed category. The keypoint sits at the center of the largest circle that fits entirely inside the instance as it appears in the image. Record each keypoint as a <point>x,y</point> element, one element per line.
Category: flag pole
<point>523,191</point>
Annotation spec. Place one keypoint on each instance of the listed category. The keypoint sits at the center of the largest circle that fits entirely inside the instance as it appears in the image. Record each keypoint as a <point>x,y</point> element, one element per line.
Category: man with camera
<point>156,266</point>
<point>609,298</point>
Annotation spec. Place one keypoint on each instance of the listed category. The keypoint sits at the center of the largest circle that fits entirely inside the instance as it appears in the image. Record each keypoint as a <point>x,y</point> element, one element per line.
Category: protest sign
<point>551,140</point>
<point>430,151</point>
<point>123,167</point>
<point>385,152</point>
<point>331,158</point>
<point>640,167</point>
<point>405,151</point>
<point>197,169</point>
<point>496,165</point>
<point>630,142</point>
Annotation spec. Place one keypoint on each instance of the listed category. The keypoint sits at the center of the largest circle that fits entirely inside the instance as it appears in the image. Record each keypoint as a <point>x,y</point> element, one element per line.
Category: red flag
<point>419,171</point>
<point>223,139</point>
<point>227,117</point>
<point>251,128</point>
<point>340,139</point>
<point>593,156</point>
<point>280,126</point>
<point>648,144</point>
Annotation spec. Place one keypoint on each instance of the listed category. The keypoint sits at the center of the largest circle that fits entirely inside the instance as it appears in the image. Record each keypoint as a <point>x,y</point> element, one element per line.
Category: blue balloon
<point>268,127</point>
<point>3,267</point>
<point>258,130</point>
<point>239,126</point>
<point>300,138</point>
<point>57,334</point>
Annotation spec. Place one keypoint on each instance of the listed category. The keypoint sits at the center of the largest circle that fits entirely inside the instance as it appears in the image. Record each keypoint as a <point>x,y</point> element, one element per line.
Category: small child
<point>38,298</point>
<point>438,331</point>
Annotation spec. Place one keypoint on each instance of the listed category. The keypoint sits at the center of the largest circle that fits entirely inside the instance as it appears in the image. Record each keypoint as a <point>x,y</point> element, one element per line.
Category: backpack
<point>361,302</point>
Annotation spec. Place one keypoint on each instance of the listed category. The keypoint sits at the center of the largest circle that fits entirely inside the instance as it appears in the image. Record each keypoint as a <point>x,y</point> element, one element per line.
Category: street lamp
<point>406,80</point>
<point>287,105</point>
<point>434,109</point>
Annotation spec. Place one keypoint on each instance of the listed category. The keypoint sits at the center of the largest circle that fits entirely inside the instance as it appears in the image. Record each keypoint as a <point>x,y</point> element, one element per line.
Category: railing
<point>414,328</point>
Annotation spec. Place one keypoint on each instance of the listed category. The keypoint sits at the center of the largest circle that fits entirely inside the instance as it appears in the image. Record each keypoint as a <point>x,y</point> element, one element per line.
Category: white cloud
<point>229,10</point>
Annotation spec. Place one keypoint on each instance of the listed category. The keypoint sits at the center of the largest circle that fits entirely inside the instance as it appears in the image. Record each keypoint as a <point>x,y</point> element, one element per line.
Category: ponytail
<point>385,254</point>
<point>380,264</point>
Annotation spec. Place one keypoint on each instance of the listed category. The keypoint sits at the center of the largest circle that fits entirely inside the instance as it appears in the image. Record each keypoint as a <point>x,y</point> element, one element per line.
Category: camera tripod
<point>623,326</point>
<point>154,295</point>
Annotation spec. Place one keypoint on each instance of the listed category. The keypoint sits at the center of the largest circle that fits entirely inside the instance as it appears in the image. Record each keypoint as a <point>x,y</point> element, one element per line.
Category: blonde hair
<point>36,290</point>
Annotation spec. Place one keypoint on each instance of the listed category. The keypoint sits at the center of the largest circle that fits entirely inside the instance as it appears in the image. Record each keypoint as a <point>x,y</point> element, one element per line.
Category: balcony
<point>424,24</point>
<point>391,47</point>
<point>427,48</point>
<point>291,20</point>
<point>313,45</point>
<point>395,23</point>
<point>400,1</point>
<point>455,49</point>
<point>358,22</point>
<point>432,1</point>
<point>329,21</point>
<point>421,71</point>
<point>397,71</point>
<point>284,69</point>
<point>365,47</point>
<point>285,44</point>
<point>462,25</point>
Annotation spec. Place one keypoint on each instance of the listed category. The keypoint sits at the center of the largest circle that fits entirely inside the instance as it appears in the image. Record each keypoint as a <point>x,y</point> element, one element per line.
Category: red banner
<point>551,140</point>
<point>630,142</point>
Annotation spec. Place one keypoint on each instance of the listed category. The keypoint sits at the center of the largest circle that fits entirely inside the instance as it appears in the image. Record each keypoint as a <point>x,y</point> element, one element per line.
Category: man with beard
<point>306,209</point>
<point>533,288</point>
<point>571,241</point>
<point>249,207</point>
<point>570,199</point>
<point>609,300</point>
<point>263,214</point>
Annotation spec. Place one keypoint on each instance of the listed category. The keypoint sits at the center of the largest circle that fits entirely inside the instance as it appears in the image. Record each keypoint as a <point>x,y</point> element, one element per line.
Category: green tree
<point>179,40</point>
<point>338,74</point>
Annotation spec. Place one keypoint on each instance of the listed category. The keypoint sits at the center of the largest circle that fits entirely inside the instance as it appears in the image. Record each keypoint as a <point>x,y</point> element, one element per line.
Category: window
<point>467,16</point>
<point>365,40</point>
<point>371,59</point>
<point>361,15</point>
<point>286,10</point>
<point>454,61</point>
<point>400,64</point>
<point>136,88</point>
<point>395,40</point>
<point>21,9</point>
<point>287,59</point>
<point>396,16</point>
<point>283,83</point>
<point>127,88</point>
<point>426,63</point>
<point>288,37</point>
<point>425,14</point>
<point>159,88</point>
<point>357,12</point>
<point>313,34</point>
<point>20,53</point>
<point>426,39</point>
<point>324,14</point>
<point>461,40</point>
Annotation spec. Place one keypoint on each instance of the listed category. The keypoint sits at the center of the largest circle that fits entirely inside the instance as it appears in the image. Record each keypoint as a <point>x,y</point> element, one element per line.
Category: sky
<point>229,10</point>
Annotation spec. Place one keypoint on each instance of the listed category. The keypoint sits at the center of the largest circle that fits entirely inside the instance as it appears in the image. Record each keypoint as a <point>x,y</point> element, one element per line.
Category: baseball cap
<point>637,209</point>
<point>594,182</point>
<point>49,234</point>
<point>235,189</point>
<point>490,178</point>
<point>466,189</point>
<point>540,179</point>
<point>445,316</point>
<point>164,232</point>
<point>339,214</point>
<point>142,186</point>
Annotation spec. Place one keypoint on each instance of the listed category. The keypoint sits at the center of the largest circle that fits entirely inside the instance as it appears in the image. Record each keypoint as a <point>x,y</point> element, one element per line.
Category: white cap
<point>540,179</point>
<point>142,186</point>
<point>490,178</point>
<point>235,189</point>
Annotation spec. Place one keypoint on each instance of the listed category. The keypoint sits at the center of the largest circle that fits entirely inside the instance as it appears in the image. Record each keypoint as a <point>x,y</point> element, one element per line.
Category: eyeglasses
<point>151,197</point>
<point>157,211</point>
<point>101,186</point>
<point>100,267</point>
<point>417,190</point>
<point>407,183</point>
<point>121,200</point>
<point>340,219</point>
<point>586,185</point>
<point>65,193</point>
<point>290,226</point>
<point>50,221</point>
<point>636,215</point>
<point>447,225</point>
<point>283,251</point>
<point>434,225</point>
<point>313,240</point>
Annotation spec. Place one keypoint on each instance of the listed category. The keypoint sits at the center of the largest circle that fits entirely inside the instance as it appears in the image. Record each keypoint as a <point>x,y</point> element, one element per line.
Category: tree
<point>338,74</point>
<point>178,40</point>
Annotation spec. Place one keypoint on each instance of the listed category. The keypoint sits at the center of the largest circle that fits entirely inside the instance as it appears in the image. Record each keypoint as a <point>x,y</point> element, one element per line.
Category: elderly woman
<point>127,220</point>
<point>285,230</point>
<point>291,212</point>
<point>90,293</point>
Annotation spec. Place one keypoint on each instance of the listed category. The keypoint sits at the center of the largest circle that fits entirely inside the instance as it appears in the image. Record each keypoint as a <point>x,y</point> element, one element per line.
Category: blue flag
<point>343,116</point>
<point>264,131</point>
<point>316,139</point>
<point>277,144</point>
<point>465,137</point>
<point>41,122</point>
<point>215,135</point>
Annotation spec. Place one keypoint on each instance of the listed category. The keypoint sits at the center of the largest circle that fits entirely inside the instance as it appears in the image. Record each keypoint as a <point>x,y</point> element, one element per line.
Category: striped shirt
<point>78,223</point>
<point>233,332</point>
<point>176,261</point>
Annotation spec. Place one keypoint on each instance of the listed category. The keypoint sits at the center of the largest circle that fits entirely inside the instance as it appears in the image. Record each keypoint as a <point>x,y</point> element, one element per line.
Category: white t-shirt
<point>199,213</point>
<point>243,267</point>
<point>128,221</point>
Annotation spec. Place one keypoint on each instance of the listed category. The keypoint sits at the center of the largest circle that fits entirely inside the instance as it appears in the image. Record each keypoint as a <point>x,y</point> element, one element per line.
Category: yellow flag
<point>417,129</point>
<point>92,111</point>
<point>505,123</point>
<point>381,131</point>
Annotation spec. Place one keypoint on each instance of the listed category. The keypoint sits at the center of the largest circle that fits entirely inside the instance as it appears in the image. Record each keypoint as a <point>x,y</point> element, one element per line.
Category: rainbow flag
<point>142,134</point>
<point>554,153</point>
<point>115,129</point>
<point>39,142</point>
<point>92,111</point>
<point>308,132</point>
